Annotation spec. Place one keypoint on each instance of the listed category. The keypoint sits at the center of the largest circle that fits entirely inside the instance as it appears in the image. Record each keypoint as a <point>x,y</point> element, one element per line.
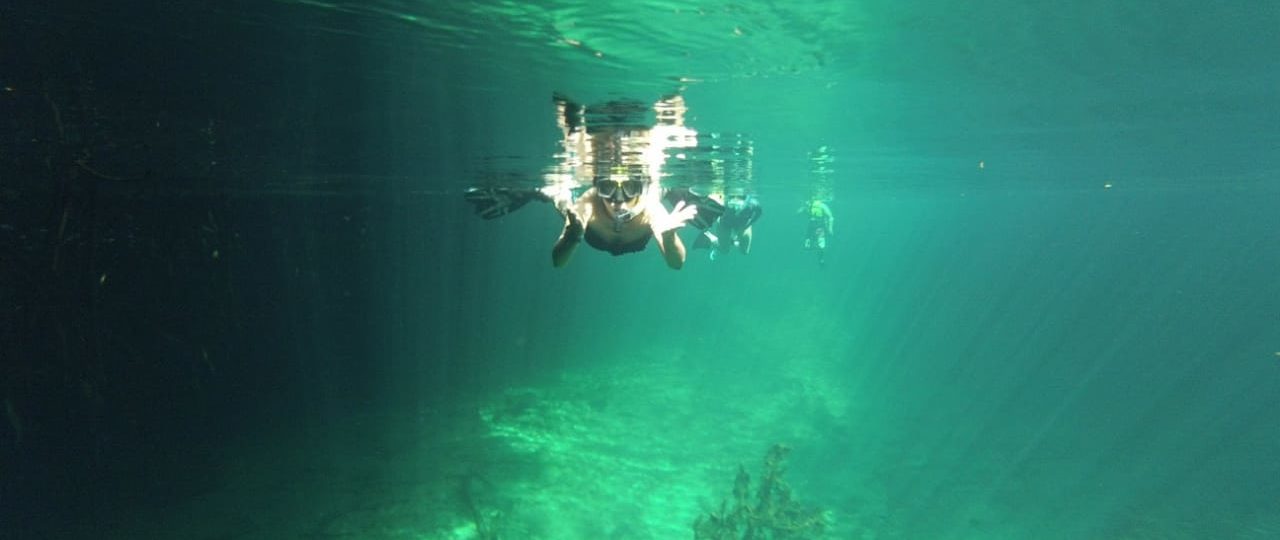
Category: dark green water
<point>243,296</point>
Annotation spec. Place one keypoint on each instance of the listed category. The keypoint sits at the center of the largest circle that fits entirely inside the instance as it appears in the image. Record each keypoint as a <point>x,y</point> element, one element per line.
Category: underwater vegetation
<point>770,514</point>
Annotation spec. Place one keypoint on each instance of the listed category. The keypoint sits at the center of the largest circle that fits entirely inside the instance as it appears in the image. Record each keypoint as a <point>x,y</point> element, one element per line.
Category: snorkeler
<point>724,225</point>
<point>710,208</point>
<point>622,209</point>
<point>619,214</point>
<point>821,225</point>
<point>734,227</point>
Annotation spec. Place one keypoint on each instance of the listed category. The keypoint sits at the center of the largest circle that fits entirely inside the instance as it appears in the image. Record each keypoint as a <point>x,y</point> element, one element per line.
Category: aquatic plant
<point>484,519</point>
<point>771,514</point>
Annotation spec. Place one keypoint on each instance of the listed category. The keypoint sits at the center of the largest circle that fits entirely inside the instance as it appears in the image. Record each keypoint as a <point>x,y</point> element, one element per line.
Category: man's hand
<point>679,216</point>
<point>574,224</point>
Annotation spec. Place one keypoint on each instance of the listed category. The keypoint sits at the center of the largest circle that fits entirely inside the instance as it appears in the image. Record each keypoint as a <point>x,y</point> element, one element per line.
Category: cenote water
<point>245,292</point>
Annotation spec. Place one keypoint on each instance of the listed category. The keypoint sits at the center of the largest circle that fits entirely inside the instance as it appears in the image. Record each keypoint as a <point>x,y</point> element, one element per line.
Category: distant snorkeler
<point>622,209</point>
<point>820,227</point>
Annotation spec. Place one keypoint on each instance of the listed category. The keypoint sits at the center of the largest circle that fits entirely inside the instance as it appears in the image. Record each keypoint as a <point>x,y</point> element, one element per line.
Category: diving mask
<point>619,187</point>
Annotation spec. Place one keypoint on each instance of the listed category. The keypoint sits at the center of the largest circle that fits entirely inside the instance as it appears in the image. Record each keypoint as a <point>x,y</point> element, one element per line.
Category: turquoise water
<point>1049,310</point>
